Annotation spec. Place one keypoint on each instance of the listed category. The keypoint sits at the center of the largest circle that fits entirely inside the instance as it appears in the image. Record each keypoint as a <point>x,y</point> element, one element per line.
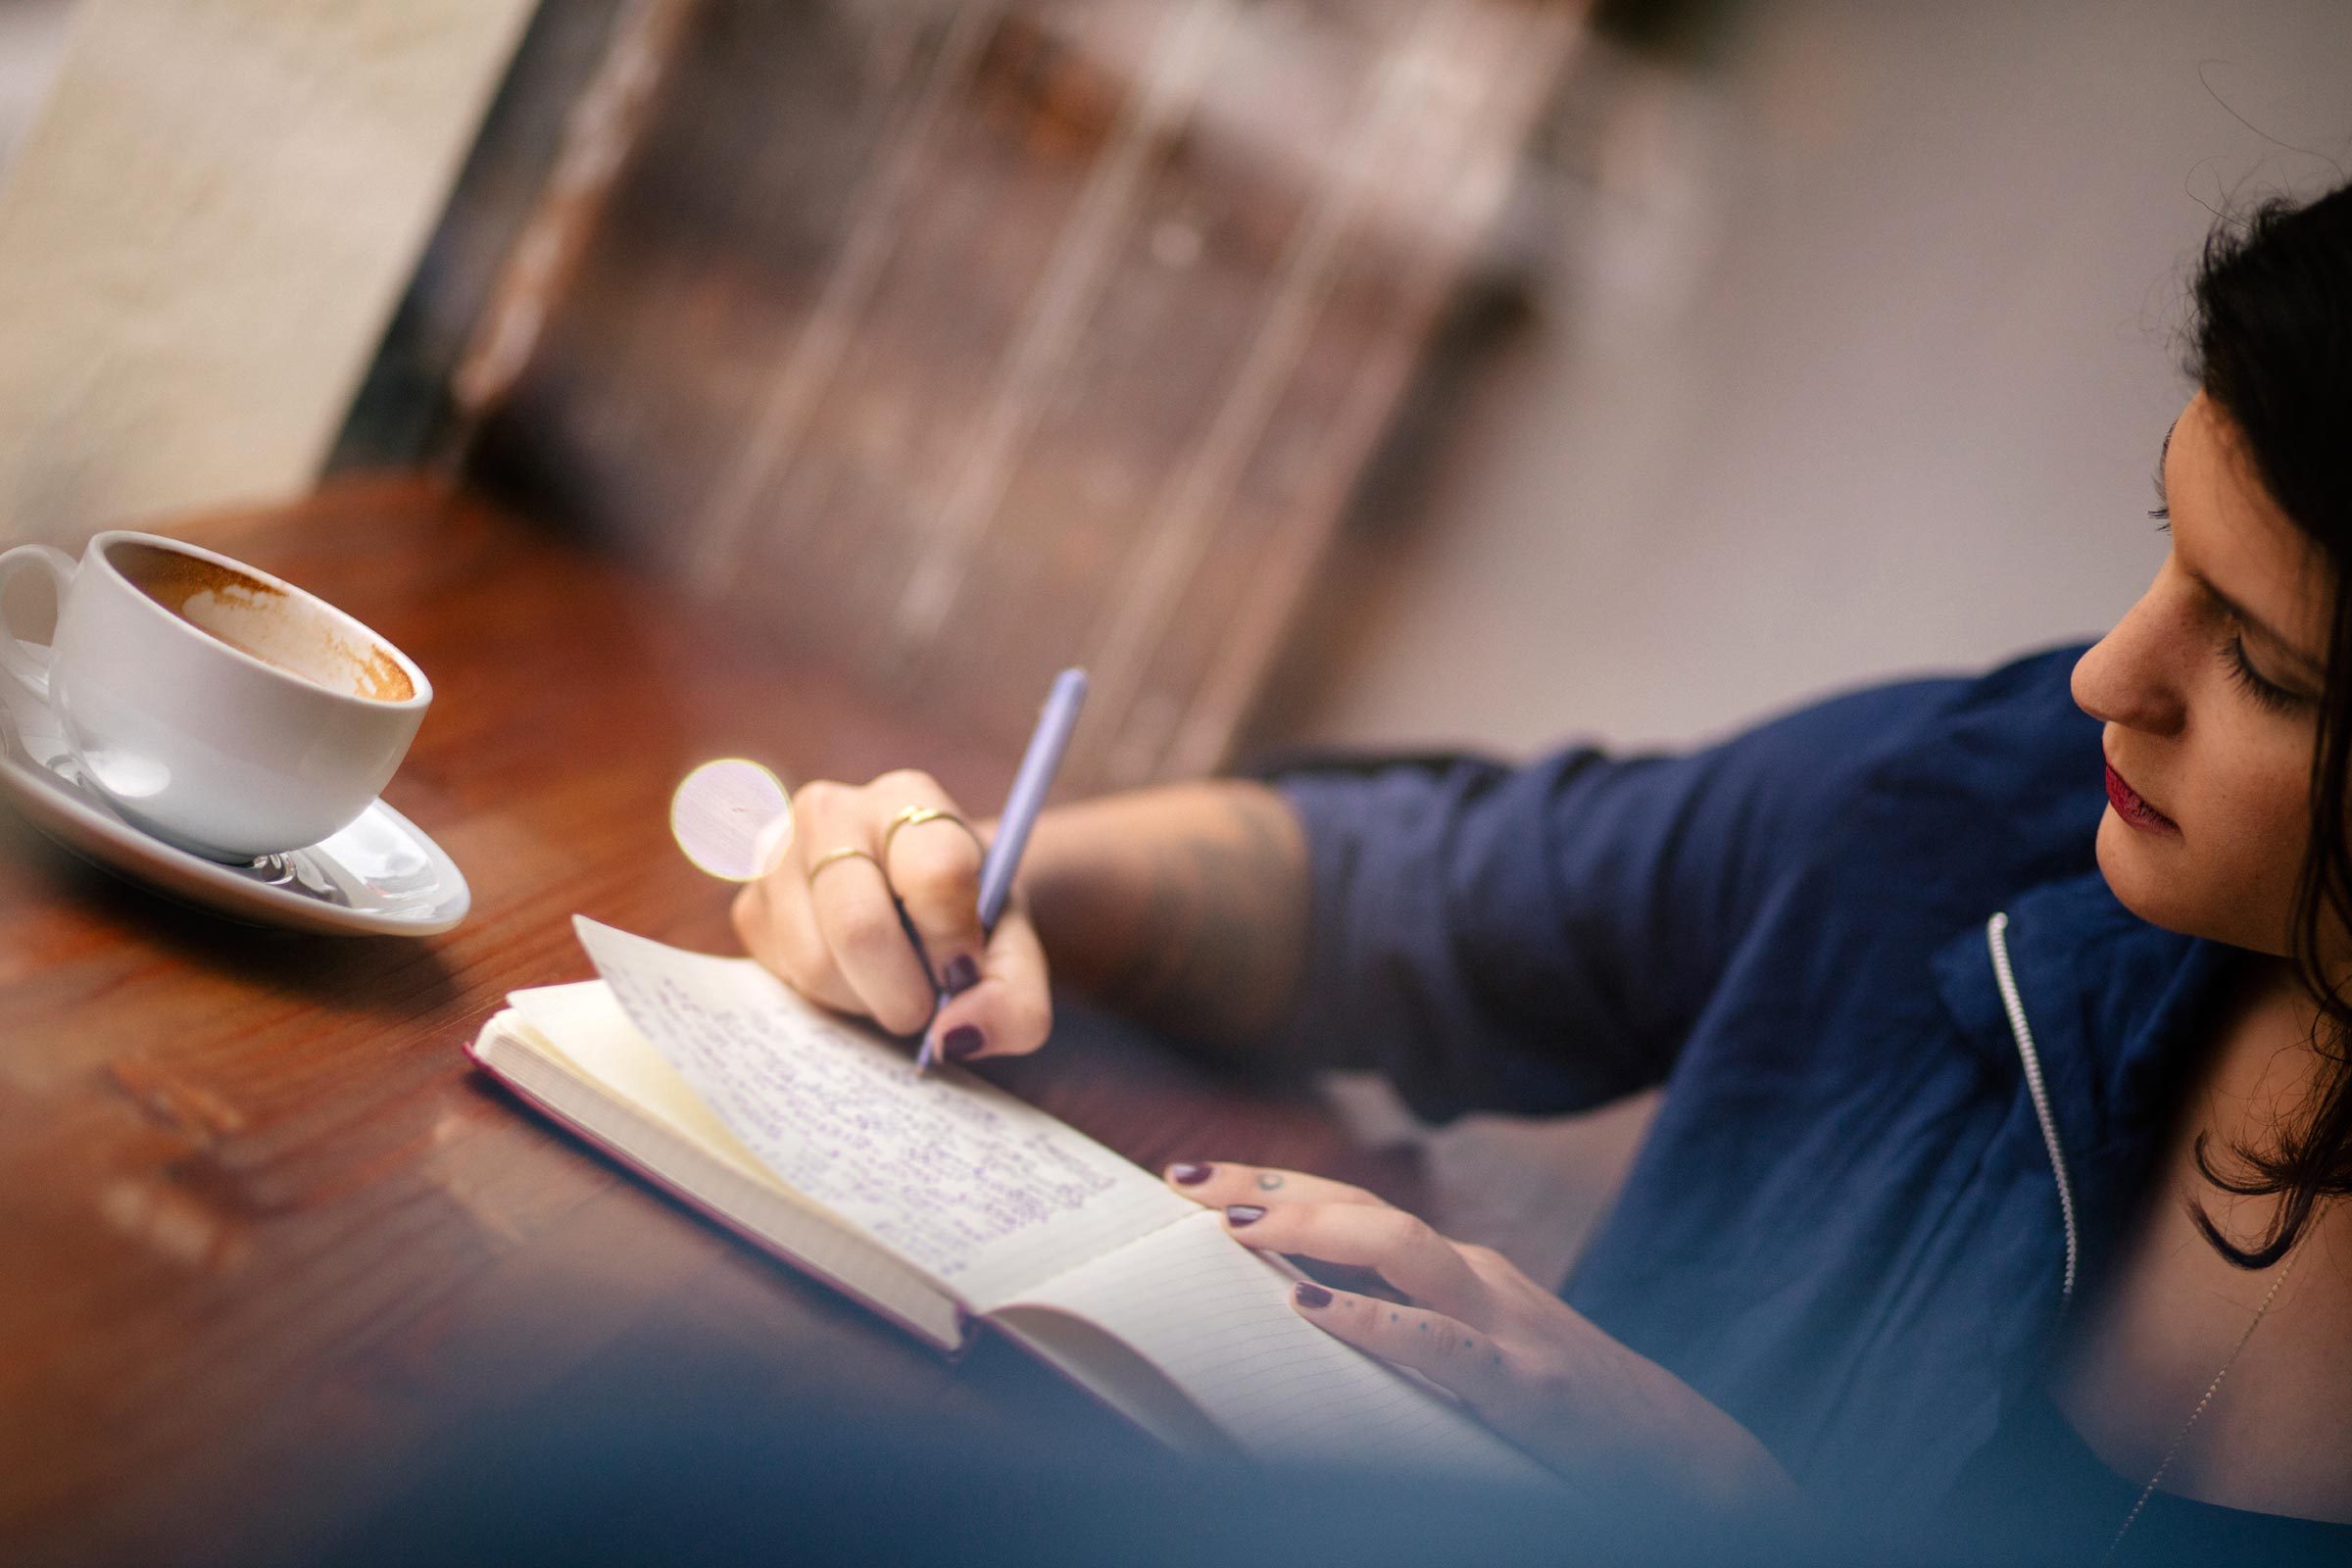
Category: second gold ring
<point>915,817</point>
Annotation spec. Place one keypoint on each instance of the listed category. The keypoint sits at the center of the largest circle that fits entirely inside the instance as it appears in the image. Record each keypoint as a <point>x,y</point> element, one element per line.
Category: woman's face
<point>2209,688</point>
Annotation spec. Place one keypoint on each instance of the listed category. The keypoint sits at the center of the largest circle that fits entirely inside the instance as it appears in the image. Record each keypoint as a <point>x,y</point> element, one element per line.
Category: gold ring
<point>848,852</point>
<point>917,816</point>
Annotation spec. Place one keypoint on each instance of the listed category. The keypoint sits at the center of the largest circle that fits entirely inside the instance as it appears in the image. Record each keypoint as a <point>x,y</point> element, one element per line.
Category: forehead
<point>2231,533</point>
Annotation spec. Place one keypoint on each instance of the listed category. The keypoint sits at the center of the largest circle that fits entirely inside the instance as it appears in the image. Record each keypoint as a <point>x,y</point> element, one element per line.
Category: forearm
<point>1183,907</point>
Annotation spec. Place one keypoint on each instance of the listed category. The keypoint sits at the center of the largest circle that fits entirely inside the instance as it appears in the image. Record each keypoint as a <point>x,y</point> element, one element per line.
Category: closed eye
<point>2268,694</point>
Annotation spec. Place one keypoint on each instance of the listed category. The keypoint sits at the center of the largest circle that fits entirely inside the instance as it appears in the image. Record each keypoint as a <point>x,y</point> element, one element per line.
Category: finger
<point>934,867</point>
<point>1458,1356</point>
<point>1401,1248</point>
<point>1219,1185</point>
<point>778,929</point>
<point>1009,1009</point>
<point>854,910</point>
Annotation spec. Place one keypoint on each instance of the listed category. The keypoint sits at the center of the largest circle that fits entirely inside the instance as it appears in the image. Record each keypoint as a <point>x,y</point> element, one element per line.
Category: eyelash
<point>2275,698</point>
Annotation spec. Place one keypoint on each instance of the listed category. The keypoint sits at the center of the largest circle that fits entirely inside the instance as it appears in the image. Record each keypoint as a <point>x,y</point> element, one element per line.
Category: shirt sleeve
<point>1542,938</point>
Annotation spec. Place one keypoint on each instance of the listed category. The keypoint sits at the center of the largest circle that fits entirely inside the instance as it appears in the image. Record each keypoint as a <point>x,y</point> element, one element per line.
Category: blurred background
<point>1367,375</point>
<point>1359,373</point>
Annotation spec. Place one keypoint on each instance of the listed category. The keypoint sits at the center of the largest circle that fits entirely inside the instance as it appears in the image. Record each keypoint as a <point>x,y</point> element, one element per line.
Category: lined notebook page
<point>1216,1319</point>
<point>984,1193</point>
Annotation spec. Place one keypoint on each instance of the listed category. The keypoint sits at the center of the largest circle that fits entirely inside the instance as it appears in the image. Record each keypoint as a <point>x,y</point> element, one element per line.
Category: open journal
<point>940,1201</point>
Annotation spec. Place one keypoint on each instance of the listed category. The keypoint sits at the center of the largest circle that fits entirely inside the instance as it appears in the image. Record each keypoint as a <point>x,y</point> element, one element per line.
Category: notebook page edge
<point>763,1212</point>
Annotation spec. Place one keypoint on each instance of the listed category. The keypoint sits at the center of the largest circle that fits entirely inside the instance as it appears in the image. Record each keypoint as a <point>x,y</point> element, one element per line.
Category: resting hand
<point>828,922</point>
<point>1531,1368</point>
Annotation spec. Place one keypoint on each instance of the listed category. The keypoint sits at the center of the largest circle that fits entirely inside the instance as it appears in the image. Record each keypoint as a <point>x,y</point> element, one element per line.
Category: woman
<point>2006,1103</point>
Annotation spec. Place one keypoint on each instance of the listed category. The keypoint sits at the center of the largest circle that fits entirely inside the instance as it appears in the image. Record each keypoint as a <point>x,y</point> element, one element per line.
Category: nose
<point>2133,676</point>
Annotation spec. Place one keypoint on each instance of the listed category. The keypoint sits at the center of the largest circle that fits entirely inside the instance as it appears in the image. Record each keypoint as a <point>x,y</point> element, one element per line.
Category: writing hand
<point>827,922</point>
<point>1471,1321</point>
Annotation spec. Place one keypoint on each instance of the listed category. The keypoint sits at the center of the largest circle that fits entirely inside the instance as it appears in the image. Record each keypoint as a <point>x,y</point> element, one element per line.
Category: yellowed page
<point>585,1026</point>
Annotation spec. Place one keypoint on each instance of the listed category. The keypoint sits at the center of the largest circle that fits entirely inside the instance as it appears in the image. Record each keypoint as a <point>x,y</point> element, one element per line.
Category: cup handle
<point>27,671</point>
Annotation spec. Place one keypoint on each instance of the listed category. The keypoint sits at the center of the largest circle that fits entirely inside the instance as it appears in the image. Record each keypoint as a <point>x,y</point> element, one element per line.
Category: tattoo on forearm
<point>1223,925</point>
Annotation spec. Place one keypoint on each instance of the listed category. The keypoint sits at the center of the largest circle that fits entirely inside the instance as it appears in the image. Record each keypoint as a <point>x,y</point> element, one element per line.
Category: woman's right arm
<point>1183,907</point>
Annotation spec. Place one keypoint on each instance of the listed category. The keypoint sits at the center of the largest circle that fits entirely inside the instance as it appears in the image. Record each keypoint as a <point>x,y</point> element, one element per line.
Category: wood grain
<point>268,1237</point>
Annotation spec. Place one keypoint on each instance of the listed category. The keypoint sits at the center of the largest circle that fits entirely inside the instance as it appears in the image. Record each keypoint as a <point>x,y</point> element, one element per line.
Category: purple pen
<point>1030,786</point>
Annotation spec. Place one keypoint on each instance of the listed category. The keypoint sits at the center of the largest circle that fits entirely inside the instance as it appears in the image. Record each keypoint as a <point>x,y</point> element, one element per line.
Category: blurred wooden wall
<point>203,232</point>
<point>955,343</point>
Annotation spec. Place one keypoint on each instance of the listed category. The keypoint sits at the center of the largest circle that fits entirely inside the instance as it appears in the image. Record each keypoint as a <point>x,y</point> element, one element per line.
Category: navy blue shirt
<point>1846,1227</point>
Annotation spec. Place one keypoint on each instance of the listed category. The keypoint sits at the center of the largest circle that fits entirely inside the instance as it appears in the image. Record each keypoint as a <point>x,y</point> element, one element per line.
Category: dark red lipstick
<point>2135,810</point>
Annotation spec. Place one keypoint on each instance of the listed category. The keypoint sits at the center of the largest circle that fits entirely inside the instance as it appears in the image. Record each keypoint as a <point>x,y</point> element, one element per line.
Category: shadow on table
<point>316,965</point>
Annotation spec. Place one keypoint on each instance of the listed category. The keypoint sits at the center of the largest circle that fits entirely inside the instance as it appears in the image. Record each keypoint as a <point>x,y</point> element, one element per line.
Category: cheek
<point>2254,827</point>
<point>2237,783</point>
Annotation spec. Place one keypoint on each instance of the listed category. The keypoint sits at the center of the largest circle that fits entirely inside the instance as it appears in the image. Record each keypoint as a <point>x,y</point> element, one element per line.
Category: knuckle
<point>818,795</point>
<point>900,779</point>
<point>1490,1270</point>
<point>1311,1222</point>
<point>1400,1231</point>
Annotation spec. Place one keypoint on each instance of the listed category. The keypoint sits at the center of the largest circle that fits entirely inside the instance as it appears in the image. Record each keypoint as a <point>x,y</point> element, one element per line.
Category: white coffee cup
<point>212,704</point>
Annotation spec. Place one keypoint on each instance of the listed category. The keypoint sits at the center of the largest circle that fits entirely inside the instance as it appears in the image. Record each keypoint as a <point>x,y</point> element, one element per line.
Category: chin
<point>2154,879</point>
<point>2135,866</point>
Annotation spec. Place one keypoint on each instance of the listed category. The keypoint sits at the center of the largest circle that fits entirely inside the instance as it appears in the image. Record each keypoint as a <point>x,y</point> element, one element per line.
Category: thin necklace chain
<point>2211,1389</point>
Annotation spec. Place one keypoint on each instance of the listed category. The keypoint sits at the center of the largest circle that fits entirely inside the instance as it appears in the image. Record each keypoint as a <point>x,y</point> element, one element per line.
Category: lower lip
<point>2135,810</point>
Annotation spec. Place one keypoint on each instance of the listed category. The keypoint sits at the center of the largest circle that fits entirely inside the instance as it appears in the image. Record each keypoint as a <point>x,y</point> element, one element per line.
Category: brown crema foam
<point>172,579</point>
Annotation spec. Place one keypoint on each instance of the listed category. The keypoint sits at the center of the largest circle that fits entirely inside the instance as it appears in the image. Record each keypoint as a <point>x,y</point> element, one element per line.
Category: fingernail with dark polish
<point>1306,1295</point>
<point>962,1041</point>
<point>1238,1214</point>
<point>960,974</point>
<point>1190,1173</point>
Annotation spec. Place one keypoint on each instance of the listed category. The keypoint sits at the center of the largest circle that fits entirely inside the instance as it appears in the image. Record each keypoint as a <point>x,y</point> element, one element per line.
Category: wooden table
<point>269,1239</point>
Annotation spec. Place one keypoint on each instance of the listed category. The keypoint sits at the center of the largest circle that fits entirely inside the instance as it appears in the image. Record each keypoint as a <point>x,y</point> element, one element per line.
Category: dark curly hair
<point>2272,346</point>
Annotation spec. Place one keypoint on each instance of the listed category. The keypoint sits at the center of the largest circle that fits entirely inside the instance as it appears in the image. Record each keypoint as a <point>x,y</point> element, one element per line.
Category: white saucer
<point>380,875</point>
